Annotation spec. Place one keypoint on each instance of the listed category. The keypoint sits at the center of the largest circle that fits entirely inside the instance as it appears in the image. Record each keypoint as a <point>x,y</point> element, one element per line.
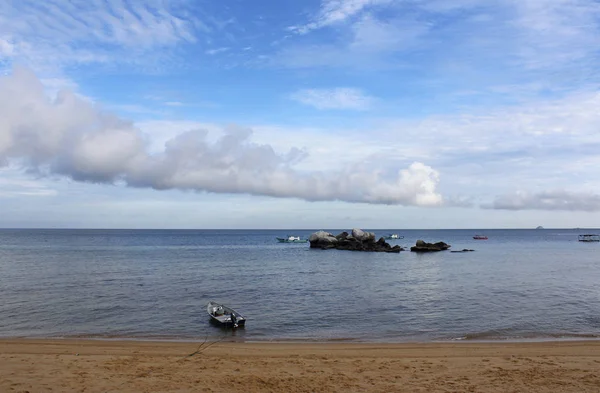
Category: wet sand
<point>133,366</point>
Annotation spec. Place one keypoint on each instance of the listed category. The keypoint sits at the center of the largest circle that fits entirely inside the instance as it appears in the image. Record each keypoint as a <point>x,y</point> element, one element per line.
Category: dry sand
<point>125,366</point>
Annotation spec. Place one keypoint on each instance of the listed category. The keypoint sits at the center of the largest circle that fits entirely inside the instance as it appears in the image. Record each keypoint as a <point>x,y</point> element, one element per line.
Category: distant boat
<point>540,227</point>
<point>225,315</point>
<point>291,239</point>
<point>394,236</point>
<point>480,237</point>
<point>589,238</point>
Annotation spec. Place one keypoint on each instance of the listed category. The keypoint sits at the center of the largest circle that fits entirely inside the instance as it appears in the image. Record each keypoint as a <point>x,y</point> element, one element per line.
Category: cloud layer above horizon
<point>68,136</point>
<point>489,106</point>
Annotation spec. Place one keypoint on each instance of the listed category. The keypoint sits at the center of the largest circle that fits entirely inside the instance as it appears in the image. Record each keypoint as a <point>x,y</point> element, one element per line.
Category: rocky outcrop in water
<point>359,240</point>
<point>422,246</point>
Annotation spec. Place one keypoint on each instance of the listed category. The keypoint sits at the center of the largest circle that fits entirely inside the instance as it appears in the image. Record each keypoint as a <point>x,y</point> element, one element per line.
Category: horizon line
<point>290,229</point>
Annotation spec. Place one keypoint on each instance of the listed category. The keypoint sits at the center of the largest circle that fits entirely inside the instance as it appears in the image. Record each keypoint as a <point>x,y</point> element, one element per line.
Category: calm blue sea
<point>154,284</point>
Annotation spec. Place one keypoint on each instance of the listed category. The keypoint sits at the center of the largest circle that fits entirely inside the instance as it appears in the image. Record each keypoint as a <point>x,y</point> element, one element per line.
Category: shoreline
<point>74,365</point>
<point>125,341</point>
<point>343,340</point>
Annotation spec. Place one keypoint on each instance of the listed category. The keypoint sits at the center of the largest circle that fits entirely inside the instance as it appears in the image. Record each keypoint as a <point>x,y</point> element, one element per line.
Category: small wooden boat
<point>225,315</point>
<point>291,239</point>
<point>589,238</point>
<point>480,237</point>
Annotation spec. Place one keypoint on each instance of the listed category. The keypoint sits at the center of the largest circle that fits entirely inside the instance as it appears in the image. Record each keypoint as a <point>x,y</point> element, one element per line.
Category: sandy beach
<point>133,366</point>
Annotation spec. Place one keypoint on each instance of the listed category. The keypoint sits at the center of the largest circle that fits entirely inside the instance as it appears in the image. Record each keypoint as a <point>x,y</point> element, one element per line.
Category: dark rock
<point>342,236</point>
<point>358,241</point>
<point>463,250</point>
<point>396,248</point>
<point>363,236</point>
<point>422,246</point>
<point>323,240</point>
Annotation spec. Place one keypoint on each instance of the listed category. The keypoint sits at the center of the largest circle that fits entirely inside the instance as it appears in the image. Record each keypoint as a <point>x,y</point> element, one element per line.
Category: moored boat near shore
<point>225,315</point>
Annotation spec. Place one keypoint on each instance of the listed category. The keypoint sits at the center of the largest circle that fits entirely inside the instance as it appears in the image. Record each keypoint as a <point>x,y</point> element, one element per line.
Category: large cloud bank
<point>69,136</point>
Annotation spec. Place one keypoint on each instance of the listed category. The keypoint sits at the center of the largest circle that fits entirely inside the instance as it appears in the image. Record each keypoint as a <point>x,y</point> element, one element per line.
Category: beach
<point>73,365</point>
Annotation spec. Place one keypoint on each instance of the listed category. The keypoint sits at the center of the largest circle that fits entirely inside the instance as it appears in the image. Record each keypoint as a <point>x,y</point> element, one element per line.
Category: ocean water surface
<point>154,284</point>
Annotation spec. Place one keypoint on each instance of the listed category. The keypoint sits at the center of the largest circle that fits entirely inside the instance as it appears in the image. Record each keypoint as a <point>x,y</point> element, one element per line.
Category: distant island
<point>540,227</point>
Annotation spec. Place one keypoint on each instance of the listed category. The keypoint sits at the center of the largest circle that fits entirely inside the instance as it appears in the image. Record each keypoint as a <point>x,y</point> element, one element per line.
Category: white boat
<point>291,239</point>
<point>394,236</point>
<point>225,315</point>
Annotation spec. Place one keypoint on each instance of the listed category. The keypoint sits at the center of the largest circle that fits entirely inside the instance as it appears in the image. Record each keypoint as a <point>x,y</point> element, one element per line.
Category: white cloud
<point>539,144</point>
<point>68,136</point>
<point>548,200</point>
<point>338,98</point>
<point>336,11</point>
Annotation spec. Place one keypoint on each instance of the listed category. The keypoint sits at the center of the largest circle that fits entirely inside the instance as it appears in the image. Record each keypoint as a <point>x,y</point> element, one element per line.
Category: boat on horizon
<point>291,239</point>
<point>480,237</point>
<point>225,315</point>
<point>588,238</point>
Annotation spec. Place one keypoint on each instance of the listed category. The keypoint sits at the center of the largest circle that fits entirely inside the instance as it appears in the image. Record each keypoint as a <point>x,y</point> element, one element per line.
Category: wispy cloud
<point>135,109</point>
<point>338,98</point>
<point>336,11</point>
<point>216,51</point>
<point>548,200</point>
<point>554,33</point>
<point>14,188</point>
<point>174,103</point>
<point>366,43</point>
<point>149,24</point>
<point>95,31</point>
<point>500,42</point>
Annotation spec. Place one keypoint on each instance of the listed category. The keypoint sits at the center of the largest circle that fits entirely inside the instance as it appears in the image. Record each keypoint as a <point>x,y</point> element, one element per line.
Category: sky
<point>299,114</point>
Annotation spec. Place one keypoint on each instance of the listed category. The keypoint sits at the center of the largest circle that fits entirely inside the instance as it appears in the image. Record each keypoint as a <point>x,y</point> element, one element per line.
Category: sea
<point>155,284</point>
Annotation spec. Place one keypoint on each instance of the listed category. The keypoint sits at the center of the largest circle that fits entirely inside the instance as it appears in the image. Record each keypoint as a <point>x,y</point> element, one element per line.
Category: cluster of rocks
<point>359,240</point>
<point>422,246</point>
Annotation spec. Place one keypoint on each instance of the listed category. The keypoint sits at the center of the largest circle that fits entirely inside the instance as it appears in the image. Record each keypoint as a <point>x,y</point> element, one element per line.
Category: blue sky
<point>313,114</point>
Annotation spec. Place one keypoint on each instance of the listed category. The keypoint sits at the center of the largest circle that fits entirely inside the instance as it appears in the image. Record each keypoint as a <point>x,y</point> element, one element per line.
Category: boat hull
<point>589,238</point>
<point>224,315</point>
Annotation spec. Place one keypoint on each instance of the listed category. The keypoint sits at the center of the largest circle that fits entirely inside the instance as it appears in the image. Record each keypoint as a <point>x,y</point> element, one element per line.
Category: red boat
<point>480,237</point>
